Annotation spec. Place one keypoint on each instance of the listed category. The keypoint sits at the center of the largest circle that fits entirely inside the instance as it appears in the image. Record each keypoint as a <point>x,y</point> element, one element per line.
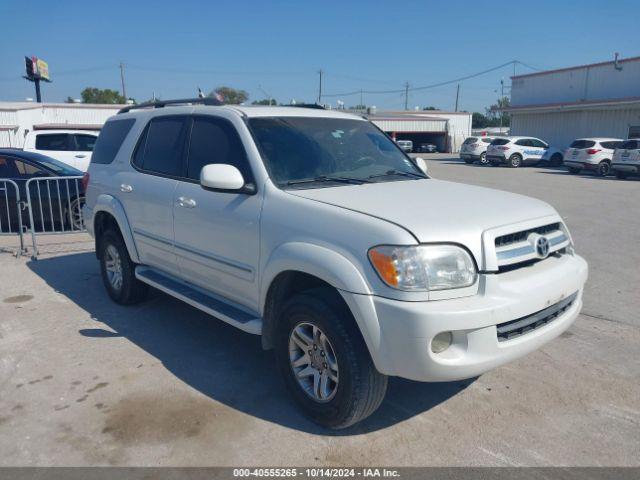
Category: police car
<point>517,151</point>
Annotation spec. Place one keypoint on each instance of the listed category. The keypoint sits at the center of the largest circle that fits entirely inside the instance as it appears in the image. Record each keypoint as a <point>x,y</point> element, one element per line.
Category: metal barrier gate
<point>55,207</point>
<point>11,211</point>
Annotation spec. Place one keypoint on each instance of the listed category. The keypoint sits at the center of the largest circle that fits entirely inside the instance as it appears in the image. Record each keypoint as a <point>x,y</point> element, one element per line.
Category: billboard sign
<point>36,68</point>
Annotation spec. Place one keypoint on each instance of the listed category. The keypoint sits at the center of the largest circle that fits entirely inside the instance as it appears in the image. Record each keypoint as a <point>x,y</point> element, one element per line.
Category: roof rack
<point>164,103</point>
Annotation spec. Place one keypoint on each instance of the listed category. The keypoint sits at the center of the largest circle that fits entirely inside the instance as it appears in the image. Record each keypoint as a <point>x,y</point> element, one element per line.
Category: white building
<point>18,118</point>
<point>597,100</point>
<point>445,130</point>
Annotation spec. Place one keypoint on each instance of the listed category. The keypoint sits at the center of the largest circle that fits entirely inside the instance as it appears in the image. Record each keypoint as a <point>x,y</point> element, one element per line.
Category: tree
<point>429,108</point>
<point>97,95</point>
<point>265,102</point>
<point>230,95</point>
<point>495,111</point>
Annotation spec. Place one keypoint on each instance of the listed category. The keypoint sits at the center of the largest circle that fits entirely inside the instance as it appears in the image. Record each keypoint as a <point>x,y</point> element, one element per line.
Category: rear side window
<point>28,170</point>
<point>215,140</point>
<point>52,141</point>
<point>486,140</point>
<point>537,143</point>
<point>6,168</point>
<point>500,141</point>
<point>582,144</point>
<point>629,145</point>
<point>524,142</point>
<point>610,145</point>
<point>162,146</point>
<point>470,140</point>
<point>110,139</point>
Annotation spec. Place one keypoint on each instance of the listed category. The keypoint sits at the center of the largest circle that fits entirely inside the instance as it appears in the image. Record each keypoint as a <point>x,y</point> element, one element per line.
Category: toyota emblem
<point>542,247</point>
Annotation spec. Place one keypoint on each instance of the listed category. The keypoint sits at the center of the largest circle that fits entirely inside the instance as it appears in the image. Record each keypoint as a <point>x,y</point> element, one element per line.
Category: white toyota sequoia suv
<point>313,229</point>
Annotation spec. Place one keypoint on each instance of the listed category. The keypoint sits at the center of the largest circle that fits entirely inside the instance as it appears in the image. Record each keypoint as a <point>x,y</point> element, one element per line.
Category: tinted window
<point>610,145</point>
<point>110,139</point>
<point>470,140</point>
<point>524,142</point>
<point>634,131</point>
<point>538,143</point>
<point>28,170</point>
<point>52,141</point>
<point>164,145</point>
<point>628,145</point>
<point>500,141</point>
<point>6,168</point>
<point>486,140</point>
<point>85,143</point>
<point>215,141</point>
<point>582,144</point>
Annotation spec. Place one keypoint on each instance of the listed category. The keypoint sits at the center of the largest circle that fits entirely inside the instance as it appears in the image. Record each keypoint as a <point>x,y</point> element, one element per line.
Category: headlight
<point>423,267</point>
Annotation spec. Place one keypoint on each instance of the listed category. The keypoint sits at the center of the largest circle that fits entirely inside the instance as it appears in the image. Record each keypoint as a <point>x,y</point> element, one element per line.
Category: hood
<point>435,210</point>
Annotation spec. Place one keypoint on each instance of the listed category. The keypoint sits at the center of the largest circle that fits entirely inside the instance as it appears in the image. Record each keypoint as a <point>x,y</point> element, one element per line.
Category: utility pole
<point>457,96</point>
<point>501,101</point>
<point>406,96</point>
<point>265,93</point>
<point>361,104</point>
<point>320,72</point>
<point>124,90</point>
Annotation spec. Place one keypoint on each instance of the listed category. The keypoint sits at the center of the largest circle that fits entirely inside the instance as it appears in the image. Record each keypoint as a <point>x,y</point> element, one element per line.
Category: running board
<point>213,305</point>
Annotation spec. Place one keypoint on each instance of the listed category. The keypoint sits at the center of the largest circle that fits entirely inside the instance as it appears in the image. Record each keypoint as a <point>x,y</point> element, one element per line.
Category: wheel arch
<point>108,212</point>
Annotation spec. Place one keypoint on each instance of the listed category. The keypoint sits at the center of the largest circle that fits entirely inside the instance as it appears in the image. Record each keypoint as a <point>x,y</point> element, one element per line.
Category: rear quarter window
<point>582,144</point>
<point>110,140</point>
<point>486,140</point>
<point>470,140</point>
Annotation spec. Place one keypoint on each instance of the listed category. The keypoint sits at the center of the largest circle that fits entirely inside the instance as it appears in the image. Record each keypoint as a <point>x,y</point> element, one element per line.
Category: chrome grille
<point>522,247</point>
<point>521,236</point>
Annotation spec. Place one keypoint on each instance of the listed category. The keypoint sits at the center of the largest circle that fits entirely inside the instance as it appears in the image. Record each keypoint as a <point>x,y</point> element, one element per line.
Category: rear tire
<point>621,175</point>
<point>483,158</point>
<point>574,169</point>
<point>118,271</point>
<point>359,388</point>
<point>604,168</point>
<point>556,160</point>
<point>515,160</point>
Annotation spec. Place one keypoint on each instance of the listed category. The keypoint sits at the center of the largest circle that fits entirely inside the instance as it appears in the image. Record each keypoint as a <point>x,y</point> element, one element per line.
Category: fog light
<point>441,342</point>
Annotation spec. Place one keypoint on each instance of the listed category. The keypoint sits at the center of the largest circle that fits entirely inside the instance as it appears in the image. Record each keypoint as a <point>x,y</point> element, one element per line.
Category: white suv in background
<point>517,151</point>
<point>73,147</point>
<point>292,223</point>
<point>626,158</point>
<point>475,149</point>
<point>591,154</point>
<point>406,145</point>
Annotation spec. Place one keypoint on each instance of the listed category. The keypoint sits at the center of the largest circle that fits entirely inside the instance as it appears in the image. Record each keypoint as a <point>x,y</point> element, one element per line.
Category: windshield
<point>303,151</point>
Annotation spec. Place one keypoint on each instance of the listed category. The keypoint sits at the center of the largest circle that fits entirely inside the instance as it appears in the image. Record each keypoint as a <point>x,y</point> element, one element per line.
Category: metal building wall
<point>560,128</point>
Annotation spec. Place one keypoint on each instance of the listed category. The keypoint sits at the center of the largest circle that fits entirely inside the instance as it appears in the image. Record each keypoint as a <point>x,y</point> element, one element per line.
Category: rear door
<point>147,190</point>
<point>539,148</point>
<point>57,145</point>
<point>217,234</point>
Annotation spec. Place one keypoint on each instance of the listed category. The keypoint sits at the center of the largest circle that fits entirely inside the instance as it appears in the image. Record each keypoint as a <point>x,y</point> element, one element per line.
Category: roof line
<point>565,69</point>
<point>571,104</point>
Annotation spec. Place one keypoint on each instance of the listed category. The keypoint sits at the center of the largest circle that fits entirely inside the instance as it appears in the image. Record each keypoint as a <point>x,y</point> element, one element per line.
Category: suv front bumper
<point>402,346</point>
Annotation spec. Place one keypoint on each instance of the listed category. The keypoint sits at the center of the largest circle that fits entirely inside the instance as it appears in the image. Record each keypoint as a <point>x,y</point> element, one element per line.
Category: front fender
<point>336,270</point>
<point>111,205</point>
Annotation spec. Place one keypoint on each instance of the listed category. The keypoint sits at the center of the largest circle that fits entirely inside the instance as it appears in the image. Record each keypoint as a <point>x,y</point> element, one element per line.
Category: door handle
<point>186,202</point>
<point>126,188</point>
<point>80,156</point>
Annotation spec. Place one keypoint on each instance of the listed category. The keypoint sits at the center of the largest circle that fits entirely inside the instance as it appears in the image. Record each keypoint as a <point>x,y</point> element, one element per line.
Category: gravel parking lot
<point>86,382</point>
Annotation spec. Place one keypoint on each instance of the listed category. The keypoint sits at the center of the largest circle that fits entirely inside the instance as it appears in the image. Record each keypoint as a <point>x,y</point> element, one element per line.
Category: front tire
<point>118,271</point>
<point>556,160</point>
<point>515,160</point>
<point>325,362</point>
<point>483,158</point>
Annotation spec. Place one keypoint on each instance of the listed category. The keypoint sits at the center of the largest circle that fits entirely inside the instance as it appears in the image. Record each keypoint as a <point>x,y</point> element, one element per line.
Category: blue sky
<point>172,47</point>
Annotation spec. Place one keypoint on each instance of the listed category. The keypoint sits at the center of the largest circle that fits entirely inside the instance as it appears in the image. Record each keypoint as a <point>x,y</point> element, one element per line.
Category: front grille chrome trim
<point>518,247</point>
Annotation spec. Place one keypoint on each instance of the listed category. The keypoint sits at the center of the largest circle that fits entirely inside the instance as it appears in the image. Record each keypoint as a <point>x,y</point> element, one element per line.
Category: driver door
<point>217,234</point>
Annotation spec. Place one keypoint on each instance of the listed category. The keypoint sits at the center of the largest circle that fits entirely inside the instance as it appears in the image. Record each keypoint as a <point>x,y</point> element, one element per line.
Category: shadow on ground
<point>216,359</point>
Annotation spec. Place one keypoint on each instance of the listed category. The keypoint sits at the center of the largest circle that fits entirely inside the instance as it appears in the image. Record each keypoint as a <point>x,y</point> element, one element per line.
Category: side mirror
<point>221,177</point>
<point>422,165</point>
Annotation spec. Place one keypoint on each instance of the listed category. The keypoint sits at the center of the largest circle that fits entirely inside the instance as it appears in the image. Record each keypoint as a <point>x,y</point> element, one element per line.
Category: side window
<point>610,145</point>
<point>29,170</point>
<point>110,140</point>
<point>164,146</point>
<point>6,168</point>
<point>537,143</point>
<point>524,142</point>
<point>52,141</point>
<point>486,140</point>
<point>85,143</point>
<point>215,140</point>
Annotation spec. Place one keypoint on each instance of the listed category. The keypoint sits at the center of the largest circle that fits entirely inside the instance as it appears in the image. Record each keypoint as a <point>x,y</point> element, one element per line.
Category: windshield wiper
<point>390,173</point>
<point>326,178</point>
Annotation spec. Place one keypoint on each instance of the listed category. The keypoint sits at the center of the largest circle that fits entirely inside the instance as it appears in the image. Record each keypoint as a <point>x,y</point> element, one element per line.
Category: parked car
<point>592,154</point>
<point>427,148</point>
<point>518,151</point>
<point>475,149</point>
<point>626,158</point>
<point>406,145</point>
<point>293,224</point>
<point>55,207</point>
<point>73,147</point>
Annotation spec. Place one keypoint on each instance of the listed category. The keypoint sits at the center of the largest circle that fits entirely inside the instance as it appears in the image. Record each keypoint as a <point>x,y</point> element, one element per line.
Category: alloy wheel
<point>113,266</point>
